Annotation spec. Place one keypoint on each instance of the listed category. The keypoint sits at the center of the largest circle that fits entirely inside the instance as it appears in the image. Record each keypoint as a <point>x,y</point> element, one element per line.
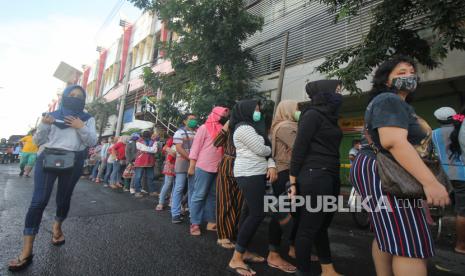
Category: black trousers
<point>313,226</point>
<point>253,190</point>
<point>275,230</point>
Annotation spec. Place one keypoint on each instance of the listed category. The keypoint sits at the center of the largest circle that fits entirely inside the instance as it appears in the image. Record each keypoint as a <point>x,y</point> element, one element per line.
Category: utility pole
<point>281,71</point>
<point>127,71</point>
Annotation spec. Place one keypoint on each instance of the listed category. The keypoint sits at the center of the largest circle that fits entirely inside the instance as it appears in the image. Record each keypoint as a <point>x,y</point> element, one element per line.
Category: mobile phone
<point>56,120</point>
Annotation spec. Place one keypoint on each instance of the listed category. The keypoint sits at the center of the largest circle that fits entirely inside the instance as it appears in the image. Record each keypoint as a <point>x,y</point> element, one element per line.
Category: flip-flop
<point>283,268</point>
<point>211,227</point>
<point>226,245</point>
<point>235,270</point>
<point>254,259</point>
<point>22,263</point>
<point>58,243</point>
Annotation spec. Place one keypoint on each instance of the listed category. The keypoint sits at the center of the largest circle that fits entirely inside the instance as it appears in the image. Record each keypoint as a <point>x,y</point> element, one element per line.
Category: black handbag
<point>58,160</point>
<point>399,182</point>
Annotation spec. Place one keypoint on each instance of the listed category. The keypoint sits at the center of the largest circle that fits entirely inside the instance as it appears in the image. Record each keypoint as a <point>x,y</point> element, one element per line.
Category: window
<point>141,52</point>
<point>134,56</point>
<point>148,49</point>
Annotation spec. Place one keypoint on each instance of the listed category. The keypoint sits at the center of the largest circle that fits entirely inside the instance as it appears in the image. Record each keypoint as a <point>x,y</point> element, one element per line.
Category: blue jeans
<point>149,176</point>
<point>95,169</point>
<point>43,187</point>
<point>167,187</point>
<point>108,171</point>
<point>178,192</point>
<point>115,174</point>
<point>203,202</point>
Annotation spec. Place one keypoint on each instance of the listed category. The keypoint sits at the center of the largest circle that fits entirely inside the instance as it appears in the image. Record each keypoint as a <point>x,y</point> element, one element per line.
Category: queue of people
<point>217,173</point>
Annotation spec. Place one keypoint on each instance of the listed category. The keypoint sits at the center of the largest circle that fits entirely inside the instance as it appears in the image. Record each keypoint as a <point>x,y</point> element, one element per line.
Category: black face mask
<point>223,120</point>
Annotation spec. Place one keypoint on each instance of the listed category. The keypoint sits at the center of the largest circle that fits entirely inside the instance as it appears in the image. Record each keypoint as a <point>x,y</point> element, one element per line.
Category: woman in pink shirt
<point>204,159</point>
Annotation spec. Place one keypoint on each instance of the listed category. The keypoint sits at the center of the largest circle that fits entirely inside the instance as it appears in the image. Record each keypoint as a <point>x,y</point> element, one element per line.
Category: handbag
<point>58,160</point>
<point>128,172</point>
<point>399,182</point>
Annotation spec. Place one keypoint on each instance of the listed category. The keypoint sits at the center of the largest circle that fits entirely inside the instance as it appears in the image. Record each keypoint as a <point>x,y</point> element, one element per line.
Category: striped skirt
<point>399,224</point>
<point>229,201</point>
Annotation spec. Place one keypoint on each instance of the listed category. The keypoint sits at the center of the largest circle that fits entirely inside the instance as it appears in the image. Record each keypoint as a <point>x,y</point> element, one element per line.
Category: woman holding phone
<point>69,131</point>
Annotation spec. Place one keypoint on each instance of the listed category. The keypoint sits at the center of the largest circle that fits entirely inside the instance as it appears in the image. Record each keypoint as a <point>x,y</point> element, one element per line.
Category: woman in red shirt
<point>168,171</point>
<point>119,151</point>
<point>144,163</point>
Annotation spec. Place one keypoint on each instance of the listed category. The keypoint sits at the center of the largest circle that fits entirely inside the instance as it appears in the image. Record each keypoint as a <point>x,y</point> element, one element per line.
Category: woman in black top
<point>314,171</point>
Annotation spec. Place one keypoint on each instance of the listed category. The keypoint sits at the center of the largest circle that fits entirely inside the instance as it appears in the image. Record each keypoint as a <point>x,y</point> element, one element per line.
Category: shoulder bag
<point>398,181</point>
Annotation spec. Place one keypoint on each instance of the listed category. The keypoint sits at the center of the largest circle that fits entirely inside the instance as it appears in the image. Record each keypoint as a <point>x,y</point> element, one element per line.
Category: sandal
<point>235,270</point>
<point>18,264</point>
<point>159,207</point>
<point>254,258</point>
<point>288,268</point>
<point>57,241</point>
<point>459,251</point>
<point>195,230</point>
<point>227,244</point>
<point>211,227</point>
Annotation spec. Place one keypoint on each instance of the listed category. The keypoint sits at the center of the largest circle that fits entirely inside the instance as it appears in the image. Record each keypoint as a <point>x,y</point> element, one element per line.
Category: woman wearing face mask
<point>204,159</point>
<point>229,197</point>
<point>119,151</point>
<point>144,163</point>
<point>403,241</point>
<point>70,130</point>
<point>284,132</point>
<point>252,166</point>
<point>314,171</point>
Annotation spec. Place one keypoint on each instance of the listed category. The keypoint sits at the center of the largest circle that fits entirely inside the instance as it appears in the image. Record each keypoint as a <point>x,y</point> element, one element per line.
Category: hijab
<point>324,98</point>
<point>146,138</point>
<point>135,136</point>
<point>70,106</point>
<point>285,116</point>
<point>213,121</point>
<point>242,114</point>
<point>125,139</point>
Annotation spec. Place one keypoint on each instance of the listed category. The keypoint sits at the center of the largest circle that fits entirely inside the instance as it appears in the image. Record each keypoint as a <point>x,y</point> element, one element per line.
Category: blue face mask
<point>73,103</point>
<point>257,116</point>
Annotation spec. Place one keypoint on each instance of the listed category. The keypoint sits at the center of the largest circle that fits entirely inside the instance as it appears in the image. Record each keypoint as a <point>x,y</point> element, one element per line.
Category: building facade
<point>313,35</point>
<point>129,54</point>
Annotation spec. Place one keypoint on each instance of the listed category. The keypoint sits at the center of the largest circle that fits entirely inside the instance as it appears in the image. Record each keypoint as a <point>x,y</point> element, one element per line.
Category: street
<point>111,233</point>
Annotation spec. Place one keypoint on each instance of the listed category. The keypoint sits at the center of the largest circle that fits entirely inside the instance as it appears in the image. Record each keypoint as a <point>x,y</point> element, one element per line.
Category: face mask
<point>192,123</point>
<point>257,116</point>
<point>335,100</point>
<point>407,84</point>
<point>297,115</point>
<point>74,104</point>
<point>223,120</point>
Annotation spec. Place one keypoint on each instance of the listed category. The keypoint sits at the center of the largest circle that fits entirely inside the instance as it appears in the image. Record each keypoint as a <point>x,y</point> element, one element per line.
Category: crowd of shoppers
<point>217,173</point>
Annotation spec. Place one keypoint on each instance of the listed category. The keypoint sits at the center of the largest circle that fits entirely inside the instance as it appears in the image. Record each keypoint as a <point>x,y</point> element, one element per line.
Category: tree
<point>440,30</point>
<point>101,110</point>
<point>210,66</point>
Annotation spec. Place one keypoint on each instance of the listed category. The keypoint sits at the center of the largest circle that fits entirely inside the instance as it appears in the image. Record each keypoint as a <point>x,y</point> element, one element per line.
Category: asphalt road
<point>111,233</point>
